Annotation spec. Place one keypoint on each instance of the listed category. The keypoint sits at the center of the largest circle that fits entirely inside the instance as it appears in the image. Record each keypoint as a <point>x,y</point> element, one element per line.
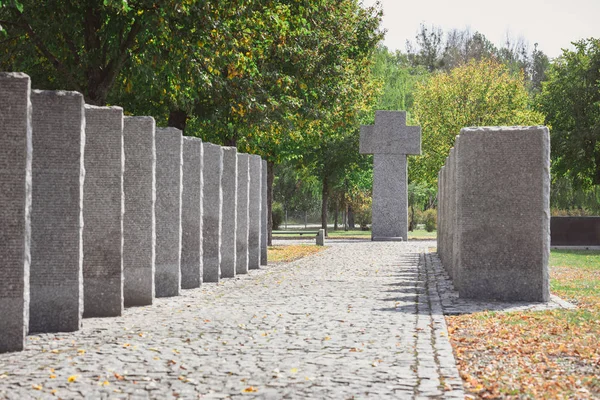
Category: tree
<point>480,93</point>
<point>570,100</point>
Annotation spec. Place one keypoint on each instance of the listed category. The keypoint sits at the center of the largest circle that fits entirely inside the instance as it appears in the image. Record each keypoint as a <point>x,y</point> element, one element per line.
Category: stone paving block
<point>264,214</point>
<point>229,212</point>
<point>169,164</point>
<point>103,212</point>
<point>212,204</point>
<point>254,216</point>
<point>139,228</point>
<point>191,214</point>
<point>503,213</point>
<point>241,237</point>
<point>58,173</point>
<point>15,212</point>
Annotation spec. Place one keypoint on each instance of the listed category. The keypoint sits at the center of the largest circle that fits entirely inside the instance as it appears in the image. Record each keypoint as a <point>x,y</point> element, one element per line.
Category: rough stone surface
<point>169,163</point>
<point>229,223</point>
<point>241,237</point>
<point>321,237</point>
<point>375,330</point>
<point>390,140</point>
<point>15,212</point>
<point>139,228</point>
<point>103,212</point>
<point>191,214</point>
<point>501,231</point>
<point>56,279</point>
<point>254,216</point>
<point>212,204</point>
<point>264,216</point>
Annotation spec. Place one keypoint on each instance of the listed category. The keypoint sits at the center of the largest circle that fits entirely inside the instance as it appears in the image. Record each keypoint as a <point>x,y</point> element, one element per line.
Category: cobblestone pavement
<point>358,320</point>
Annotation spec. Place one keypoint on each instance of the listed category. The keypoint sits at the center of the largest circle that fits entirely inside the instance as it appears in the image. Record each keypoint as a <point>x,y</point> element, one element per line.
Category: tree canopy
<point>570,100</point>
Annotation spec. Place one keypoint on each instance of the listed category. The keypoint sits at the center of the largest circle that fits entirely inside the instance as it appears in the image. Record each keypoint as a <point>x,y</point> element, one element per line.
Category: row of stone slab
<point>99,211</point>
<point>494,213</point>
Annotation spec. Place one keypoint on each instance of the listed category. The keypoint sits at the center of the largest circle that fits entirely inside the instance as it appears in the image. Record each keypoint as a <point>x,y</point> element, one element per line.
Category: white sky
<point>553,24</point>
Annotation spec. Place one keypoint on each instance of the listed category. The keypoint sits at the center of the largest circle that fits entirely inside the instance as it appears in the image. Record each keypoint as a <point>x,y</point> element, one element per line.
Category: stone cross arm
<point>390,135</point>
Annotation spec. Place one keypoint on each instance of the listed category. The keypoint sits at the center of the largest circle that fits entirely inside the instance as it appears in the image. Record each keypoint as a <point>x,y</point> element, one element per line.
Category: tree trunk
<point>270,180</point>
<point>597,175</point>
<point>325,194</point>
<point>337,210</point>
<point>351,218</point>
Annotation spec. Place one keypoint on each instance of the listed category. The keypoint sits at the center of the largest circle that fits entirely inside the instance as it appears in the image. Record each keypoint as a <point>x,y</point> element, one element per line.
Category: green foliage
<point>570,100</point>
<point>277,212</point>
<point>568,200</point>
<point>430,220</point>
<point>480,93</point>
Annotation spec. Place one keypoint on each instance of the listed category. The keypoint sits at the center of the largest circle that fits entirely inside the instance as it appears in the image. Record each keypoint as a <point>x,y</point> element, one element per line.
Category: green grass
<point>416,234</point>
<point>586,259</point>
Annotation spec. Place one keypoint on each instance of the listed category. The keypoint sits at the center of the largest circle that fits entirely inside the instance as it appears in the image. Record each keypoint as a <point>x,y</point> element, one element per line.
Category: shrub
<point>430,220</point>
<point>277,214</point>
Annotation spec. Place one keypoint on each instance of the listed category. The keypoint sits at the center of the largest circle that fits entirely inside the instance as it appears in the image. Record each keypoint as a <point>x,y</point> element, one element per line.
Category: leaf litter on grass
<point>548,355</point>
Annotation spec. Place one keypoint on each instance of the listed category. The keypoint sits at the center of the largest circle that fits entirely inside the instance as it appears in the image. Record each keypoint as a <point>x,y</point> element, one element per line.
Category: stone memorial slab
<point>229,212</point>
<point>241,237</point>
<point>139,230</point>
<point>503,213</point>
<point>103,212</point>
<point>390,140</point>
<point>254,215</point>
<point>15,212</point>
<point>58,173</point>
<point>212,204</point>
<point>169,165</point>
<point>264,216</point>
<point>191,214</point>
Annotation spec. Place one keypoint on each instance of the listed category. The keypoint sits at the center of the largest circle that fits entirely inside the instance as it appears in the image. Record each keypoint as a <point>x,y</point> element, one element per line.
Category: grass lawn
<point>291,252</point>
<point>550,354</point>
<point>352,234</point>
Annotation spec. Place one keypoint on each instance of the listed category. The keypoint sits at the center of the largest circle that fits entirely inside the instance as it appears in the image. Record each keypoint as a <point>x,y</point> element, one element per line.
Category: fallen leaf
<point>250,389</point>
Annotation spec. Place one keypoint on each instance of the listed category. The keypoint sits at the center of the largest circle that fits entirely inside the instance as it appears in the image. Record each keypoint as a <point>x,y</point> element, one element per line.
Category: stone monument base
<point>387,239</point>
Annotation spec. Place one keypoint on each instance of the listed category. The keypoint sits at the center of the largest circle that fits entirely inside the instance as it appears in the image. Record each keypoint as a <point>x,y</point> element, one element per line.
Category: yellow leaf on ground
<point>72,378</point>
<point>250,389</point>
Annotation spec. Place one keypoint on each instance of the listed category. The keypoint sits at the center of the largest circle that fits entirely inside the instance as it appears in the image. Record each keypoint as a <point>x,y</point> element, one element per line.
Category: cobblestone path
<point>358,320</point>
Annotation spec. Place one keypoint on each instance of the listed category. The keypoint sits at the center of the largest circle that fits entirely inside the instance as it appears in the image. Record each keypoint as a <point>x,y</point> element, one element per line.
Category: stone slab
<point>15,213</point>
<point>212,206</point>
<point>254,216</point>
<point>103,212</point>
<point>390,197</point>
<point>191,214</point>
<point>503,213</point>
<point>229,212</point>
<point>241,237</point>
<point>264,215</point>
<point>139,228</point>
<point>58,173</point>
<point>575,231</point>
<point>390,135</point>
<point>169,164</point>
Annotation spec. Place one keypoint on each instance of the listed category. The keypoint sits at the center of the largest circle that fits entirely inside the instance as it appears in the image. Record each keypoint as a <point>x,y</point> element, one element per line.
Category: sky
<point>553,24</point>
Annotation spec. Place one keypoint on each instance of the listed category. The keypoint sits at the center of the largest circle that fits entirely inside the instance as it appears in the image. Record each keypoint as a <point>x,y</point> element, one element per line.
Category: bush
<point>277,214</point>
<point>430,220</point>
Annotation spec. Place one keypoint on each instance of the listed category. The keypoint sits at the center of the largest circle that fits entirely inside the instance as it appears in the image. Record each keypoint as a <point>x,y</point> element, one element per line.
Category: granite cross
<point>390,140</point>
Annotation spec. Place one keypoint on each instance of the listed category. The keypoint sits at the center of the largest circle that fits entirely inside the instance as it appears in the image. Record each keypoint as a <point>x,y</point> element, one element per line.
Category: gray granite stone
<point>254,216</point>
<point>191,214</point>
<point>103,212</point>
<point>58,173</point>
<point>264,220</point>
<point>390,140</point>
<point>241,237</point>
<point>229,208</point>
<point>321,237</point>
<point>139,228</point>
<point>212,205</point>
<point>15,213</point>
<point>503,213</point>
<point>169,163</point>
